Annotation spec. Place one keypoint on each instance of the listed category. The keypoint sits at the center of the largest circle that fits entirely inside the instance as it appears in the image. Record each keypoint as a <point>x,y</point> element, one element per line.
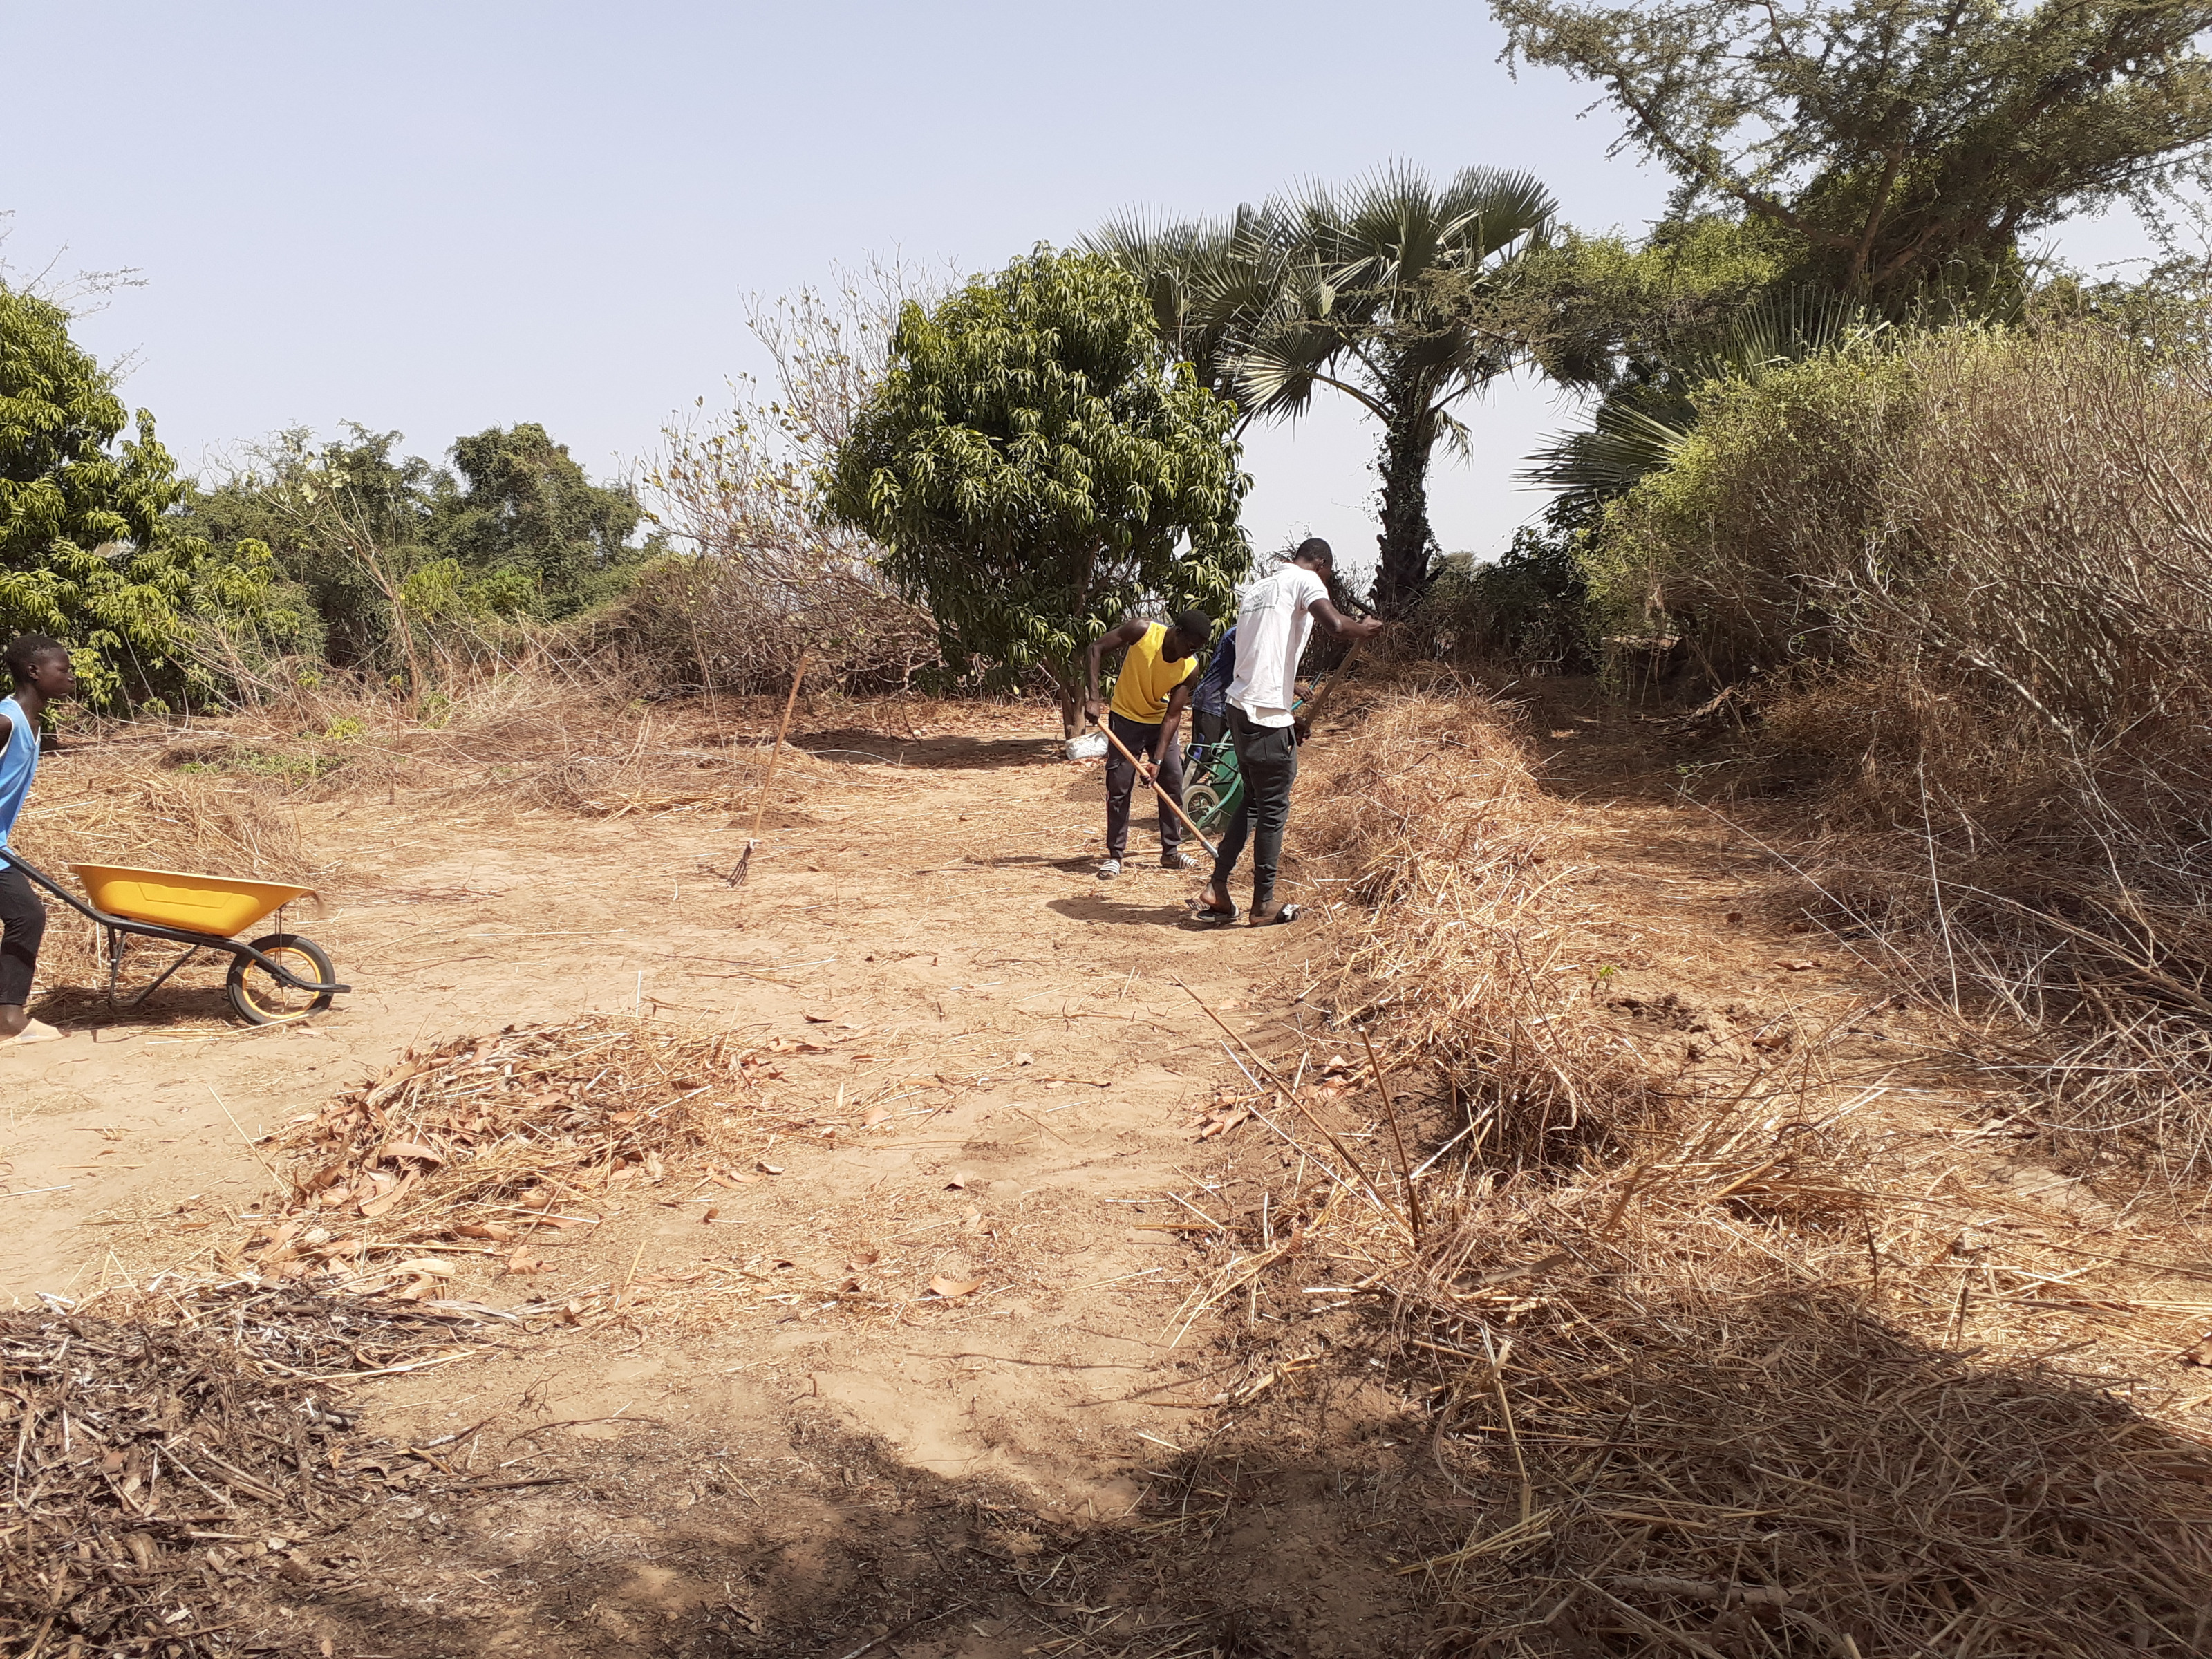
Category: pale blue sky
<point>435,218</point>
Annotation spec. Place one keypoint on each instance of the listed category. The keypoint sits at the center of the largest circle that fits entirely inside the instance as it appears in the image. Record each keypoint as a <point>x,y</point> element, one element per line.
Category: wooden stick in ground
<point>1169,800</point>
<point>760,812</point>
<point>1390,1115</point>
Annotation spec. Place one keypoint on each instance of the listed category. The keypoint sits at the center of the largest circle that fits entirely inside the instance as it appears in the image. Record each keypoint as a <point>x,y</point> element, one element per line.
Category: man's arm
<point>1119,640</point>
<point>1354,629</point>
<point>1178,700</point>
<point>1344,627</point>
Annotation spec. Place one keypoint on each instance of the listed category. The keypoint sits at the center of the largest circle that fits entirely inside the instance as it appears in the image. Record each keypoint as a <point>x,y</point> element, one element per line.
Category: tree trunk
<point>1402,573</point>
<point>1073,689</point>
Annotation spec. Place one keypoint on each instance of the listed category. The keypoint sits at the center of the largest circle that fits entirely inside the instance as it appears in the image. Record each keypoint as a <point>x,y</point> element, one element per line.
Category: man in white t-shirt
<point>1273,624</point>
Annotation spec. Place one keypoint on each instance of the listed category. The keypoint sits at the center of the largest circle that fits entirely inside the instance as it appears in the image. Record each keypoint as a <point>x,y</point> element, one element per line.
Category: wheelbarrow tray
<point>179,894</point>
<point>221,905</point>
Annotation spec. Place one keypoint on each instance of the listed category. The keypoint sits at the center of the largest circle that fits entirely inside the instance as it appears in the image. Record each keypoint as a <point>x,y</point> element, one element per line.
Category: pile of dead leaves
<point>489,1139</point>
<point>159,1460</point>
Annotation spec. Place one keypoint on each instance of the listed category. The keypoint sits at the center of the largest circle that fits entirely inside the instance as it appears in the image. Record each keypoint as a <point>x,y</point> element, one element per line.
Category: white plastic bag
<point>1092,746</point>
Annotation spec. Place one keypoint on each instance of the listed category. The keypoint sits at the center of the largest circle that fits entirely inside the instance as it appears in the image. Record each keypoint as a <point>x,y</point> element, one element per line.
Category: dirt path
<point>988,1075</point>
<point>922,929</point>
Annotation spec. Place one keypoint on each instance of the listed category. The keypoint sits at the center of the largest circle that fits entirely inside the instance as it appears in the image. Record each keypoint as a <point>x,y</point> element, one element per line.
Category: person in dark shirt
<point>1209,699</point>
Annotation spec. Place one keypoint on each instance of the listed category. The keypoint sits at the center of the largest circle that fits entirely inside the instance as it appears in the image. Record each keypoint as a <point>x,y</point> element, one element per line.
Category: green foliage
<point>1903,146</point>
<point>1035,467</point>
<point>1402,294</point>
<point>527,516</point>
<point>1651,407</point>
<point>90,551</point>
<point>1530,607</point>
<point>1749,539</point>
<point>400,559</point>
<point>1596,311</point>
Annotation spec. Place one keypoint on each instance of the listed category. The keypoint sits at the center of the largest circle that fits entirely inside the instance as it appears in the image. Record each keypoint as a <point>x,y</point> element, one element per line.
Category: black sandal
<point>1207,915</point>
<point>1273,914</point>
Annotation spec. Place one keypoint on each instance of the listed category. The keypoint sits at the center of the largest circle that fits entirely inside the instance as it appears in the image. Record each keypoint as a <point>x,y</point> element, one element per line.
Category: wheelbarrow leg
<point>160,981</point>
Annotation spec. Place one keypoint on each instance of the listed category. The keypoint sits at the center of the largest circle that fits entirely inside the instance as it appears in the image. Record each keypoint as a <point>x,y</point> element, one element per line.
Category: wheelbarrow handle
<point>1166,799</point>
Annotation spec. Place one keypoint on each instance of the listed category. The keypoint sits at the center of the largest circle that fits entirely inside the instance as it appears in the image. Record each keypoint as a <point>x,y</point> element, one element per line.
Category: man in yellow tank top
<point>1159,664</point>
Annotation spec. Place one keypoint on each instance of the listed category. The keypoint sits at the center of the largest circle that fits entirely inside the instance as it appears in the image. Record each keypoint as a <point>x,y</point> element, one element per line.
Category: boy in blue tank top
<point>40,668</point>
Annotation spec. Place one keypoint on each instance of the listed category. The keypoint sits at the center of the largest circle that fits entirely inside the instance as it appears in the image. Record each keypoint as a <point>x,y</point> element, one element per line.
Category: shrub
<point>1979,564</point>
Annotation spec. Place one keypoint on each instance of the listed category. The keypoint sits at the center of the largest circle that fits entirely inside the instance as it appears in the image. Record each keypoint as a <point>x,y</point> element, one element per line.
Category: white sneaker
<point>1109,870</point>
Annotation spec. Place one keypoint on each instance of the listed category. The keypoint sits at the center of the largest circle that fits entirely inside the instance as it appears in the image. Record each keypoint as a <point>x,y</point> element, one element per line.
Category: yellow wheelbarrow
<point>279,977</point>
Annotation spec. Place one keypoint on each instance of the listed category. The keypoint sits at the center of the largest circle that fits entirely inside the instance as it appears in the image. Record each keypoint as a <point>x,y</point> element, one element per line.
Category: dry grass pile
<point>1470,939</point>
<point>1691,1423</point>
<point>506,1162</point>
<point>159,1459</point>
<point>1753,1371</point>
<point>1767,1387</point>
<point>488,1139</point>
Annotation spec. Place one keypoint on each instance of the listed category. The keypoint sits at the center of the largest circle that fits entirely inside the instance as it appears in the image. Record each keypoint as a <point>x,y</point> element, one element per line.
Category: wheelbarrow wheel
<point>1203,802</point>
<point>261,998</point>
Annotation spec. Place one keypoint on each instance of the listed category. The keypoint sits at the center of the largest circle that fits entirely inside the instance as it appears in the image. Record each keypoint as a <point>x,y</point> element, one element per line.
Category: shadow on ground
<point>1336,1514</point>
<point>948,750</point>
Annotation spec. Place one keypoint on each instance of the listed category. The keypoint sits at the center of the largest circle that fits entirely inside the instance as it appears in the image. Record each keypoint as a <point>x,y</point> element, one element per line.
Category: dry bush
<point>1975,568</point>
<point>772,579</point>
<point>540,730</point>
<point>1747,1374</point>
<point>741,622</point>
<point>1468,941</point>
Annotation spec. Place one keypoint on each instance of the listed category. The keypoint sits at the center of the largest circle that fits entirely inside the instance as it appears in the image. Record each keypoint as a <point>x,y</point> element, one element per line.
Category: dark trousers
<point>23,926</point>
<point>1122,782</point>
<point>1268,757</point>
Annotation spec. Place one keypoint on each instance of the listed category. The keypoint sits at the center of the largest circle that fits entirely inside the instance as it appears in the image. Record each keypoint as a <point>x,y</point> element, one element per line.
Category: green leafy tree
<point>351,521</point>
<point>1392,291</point>
<point>1905,145</point>
<point>1035,465</point>
<point>527,510</point>
<point>403,561</point>
<point>90,551</point>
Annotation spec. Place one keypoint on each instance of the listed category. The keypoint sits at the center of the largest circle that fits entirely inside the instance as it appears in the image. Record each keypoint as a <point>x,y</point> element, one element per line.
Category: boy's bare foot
<point>1212,900</point>
<point>1274,911</point>
<point>35,1030</point>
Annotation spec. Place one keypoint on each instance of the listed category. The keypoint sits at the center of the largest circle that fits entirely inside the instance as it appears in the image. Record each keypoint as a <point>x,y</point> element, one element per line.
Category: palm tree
<point>1385,289</point>
<point>1645,416</point>
<point>1208,280</point>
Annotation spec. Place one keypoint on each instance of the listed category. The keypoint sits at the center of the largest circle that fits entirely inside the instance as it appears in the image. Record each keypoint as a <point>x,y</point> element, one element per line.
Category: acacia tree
<point>1391,290</point>
<point>1035,465</point>
<point>1904,143</point>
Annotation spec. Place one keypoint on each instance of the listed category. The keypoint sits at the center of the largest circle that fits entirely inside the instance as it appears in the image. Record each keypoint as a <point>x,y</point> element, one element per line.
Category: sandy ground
<point>1012,1065</point>
<point>928,919</point>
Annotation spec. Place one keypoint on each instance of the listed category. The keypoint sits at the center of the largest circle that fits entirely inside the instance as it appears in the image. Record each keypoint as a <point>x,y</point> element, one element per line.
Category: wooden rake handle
<point>760,810</point>
<point>1169,800</point>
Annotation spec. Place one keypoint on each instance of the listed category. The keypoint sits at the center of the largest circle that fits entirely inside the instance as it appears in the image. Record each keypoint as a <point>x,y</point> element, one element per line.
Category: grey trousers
<point>1121,783</point>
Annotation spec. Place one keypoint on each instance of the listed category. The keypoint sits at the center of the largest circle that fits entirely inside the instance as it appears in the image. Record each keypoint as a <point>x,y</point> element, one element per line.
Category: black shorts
<point>23,926</point>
